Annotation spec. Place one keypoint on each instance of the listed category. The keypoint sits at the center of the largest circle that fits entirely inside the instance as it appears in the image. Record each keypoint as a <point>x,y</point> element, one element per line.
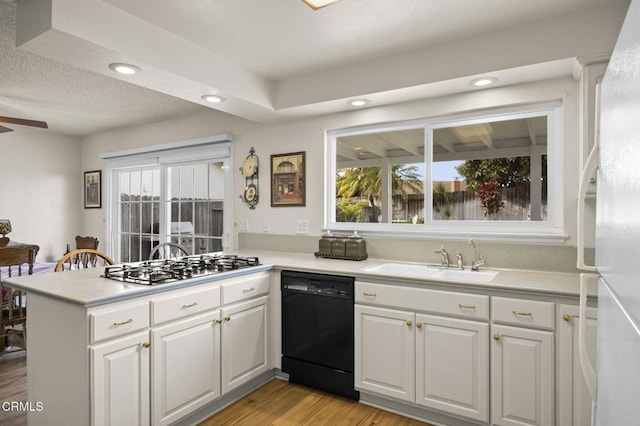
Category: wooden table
<point>13,313</point>
<point>16,253</point>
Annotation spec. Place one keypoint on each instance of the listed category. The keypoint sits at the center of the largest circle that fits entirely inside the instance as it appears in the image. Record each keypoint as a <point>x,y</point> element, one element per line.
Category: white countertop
<point>87,288</point>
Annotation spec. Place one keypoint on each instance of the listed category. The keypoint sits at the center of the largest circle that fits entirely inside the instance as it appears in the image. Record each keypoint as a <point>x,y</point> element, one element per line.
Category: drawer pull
<point>522,314</point>
<point>365,294</point>
<point>119,324</point>
<point>218,321</point>
<point>461,306</point>
<point>227,318</point>
<point>566,317</point>
<point>248,290</point>
<point>409,323</point>
<point>191,305</point>
<point>496,337</point>
<point>419,325</point>
<point>146,345</point>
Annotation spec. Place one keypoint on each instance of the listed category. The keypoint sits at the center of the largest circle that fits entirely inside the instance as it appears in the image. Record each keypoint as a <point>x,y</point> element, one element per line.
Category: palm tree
<point>367,182</point>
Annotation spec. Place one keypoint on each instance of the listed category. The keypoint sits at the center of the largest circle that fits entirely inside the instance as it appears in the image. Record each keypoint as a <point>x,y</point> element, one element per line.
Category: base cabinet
<point>452,366</point>
<point>522,372</point>
<point>120,384</point>
<point>186,367</point>
<point>385,352</point>
<point>245,342</point>
<point>574,399</point>
<point>150,360</point>
<point>432,361</point>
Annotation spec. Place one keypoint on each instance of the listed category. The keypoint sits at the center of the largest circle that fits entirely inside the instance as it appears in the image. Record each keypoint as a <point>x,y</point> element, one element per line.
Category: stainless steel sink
<point>425,271</point>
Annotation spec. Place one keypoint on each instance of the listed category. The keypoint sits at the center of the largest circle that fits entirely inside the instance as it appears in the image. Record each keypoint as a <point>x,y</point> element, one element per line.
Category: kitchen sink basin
<point>424,271</point>
<point>467,275</point>
<point>406,269</point>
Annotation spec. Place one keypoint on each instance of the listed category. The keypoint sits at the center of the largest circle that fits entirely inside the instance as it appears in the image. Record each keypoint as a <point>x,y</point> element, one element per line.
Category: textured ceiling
<point>72,100</point>
<point>277,59</point>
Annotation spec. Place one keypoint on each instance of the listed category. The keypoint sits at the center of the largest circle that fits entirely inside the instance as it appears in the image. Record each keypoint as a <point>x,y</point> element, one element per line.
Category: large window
<point>175,195</point>
<point>489,174</point>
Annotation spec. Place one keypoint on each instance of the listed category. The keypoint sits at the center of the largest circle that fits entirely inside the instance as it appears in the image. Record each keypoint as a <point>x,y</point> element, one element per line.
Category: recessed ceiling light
<point>127,69</point>
<point>483,81</point>
<point>214,99</point>
<point>358,102</point>
<point>317,4</point>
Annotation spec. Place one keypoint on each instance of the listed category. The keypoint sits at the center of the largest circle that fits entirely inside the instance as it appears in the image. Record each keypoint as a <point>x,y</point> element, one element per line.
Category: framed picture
<point>93,189</point>
<point>288,186</point>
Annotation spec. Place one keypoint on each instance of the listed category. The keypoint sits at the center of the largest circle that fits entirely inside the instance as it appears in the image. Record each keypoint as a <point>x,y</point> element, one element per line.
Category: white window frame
<point>207,149</point>
<point>549,231</point>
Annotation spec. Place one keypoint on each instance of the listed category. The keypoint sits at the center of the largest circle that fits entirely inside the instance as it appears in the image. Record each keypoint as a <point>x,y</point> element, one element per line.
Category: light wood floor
<point>280,403</point>
<point>277,403</point>
<point>13,386</point>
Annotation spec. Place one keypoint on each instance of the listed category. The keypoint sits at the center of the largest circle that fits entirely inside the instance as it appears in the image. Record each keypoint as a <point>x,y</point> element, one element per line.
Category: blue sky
<point>443,170</point>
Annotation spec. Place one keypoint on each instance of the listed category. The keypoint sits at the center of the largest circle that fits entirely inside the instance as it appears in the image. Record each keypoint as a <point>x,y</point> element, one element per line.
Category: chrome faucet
<point>444,255</point>
<point>459,260</point>
<point>475,265</point>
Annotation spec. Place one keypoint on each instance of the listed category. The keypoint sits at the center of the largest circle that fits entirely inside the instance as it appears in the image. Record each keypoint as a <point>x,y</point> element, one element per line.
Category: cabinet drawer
<point>182,303</point>
<point>244,287</point>
<point>419,299</point>
<point>113,321</point>
<point>523,312</point>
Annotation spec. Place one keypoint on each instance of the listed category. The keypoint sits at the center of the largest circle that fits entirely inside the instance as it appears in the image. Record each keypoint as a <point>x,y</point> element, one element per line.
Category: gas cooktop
<point>162,271</point>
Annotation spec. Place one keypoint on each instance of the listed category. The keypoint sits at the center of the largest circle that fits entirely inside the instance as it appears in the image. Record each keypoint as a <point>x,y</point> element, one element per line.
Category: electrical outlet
<point>302,227</point>
<point>244,225</point>
<point>265,226</point>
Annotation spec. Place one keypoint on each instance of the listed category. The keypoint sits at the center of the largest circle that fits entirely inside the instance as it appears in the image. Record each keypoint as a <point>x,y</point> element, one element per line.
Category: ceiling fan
<point>21,121</point>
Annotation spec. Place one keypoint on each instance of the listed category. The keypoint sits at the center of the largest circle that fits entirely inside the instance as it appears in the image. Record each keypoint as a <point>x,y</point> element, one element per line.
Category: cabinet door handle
<point>419,325</point>
<point>365,294</point>
<point>227,318</point>
<point>496,337</point>
<point>522,314</point>
<point>461,306</point>
<point>120,324</point>
<point>146,345</point>
<point>248,290</point>
<point>191,305</point>
<point>566,317</point>
<point>218,321</point>
<point>409,323</point>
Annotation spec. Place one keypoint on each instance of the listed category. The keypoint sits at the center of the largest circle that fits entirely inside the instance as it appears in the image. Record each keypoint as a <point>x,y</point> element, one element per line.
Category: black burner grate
<point>152,272</point>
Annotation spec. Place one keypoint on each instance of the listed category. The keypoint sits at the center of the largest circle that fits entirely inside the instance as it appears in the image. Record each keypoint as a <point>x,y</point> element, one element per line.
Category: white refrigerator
<point>618,232</point>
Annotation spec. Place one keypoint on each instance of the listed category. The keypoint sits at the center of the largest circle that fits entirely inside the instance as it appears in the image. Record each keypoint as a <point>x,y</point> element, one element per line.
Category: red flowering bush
<point>490,195</point>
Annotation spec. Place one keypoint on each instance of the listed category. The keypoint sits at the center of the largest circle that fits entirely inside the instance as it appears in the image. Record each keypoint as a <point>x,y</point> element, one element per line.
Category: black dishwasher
<point>317,331</point>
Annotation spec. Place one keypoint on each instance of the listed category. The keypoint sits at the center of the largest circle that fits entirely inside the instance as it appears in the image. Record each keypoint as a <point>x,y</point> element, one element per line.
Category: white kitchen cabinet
<point>452,365</point>
<point>152,359</point>
<point>186,366</point>
<point>522,367</point>
<point>434,361</point>
<point>120,381</point>
<point>574,399</point>
<point>385,352</point>
<point>245,342</point>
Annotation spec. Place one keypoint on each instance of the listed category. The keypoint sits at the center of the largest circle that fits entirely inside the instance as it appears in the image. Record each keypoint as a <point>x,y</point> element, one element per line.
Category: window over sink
<point>495,174</point>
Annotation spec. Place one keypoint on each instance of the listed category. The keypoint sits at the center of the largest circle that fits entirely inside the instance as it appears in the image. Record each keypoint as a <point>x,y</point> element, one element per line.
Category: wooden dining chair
<point>13,314</point>
<point>86,242</point>
<point>168,250</point>
<point>83,259</point>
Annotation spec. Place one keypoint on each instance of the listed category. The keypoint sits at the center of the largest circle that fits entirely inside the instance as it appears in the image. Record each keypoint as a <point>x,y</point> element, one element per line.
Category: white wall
<point>41,189</point>
<point>308,135</point>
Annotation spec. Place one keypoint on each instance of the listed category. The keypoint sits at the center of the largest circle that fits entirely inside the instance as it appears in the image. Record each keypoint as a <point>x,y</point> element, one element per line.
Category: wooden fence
<point>460,205</point>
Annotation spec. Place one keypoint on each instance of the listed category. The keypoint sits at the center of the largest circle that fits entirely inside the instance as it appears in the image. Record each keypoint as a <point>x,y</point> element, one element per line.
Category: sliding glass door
<point>177,195</point>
